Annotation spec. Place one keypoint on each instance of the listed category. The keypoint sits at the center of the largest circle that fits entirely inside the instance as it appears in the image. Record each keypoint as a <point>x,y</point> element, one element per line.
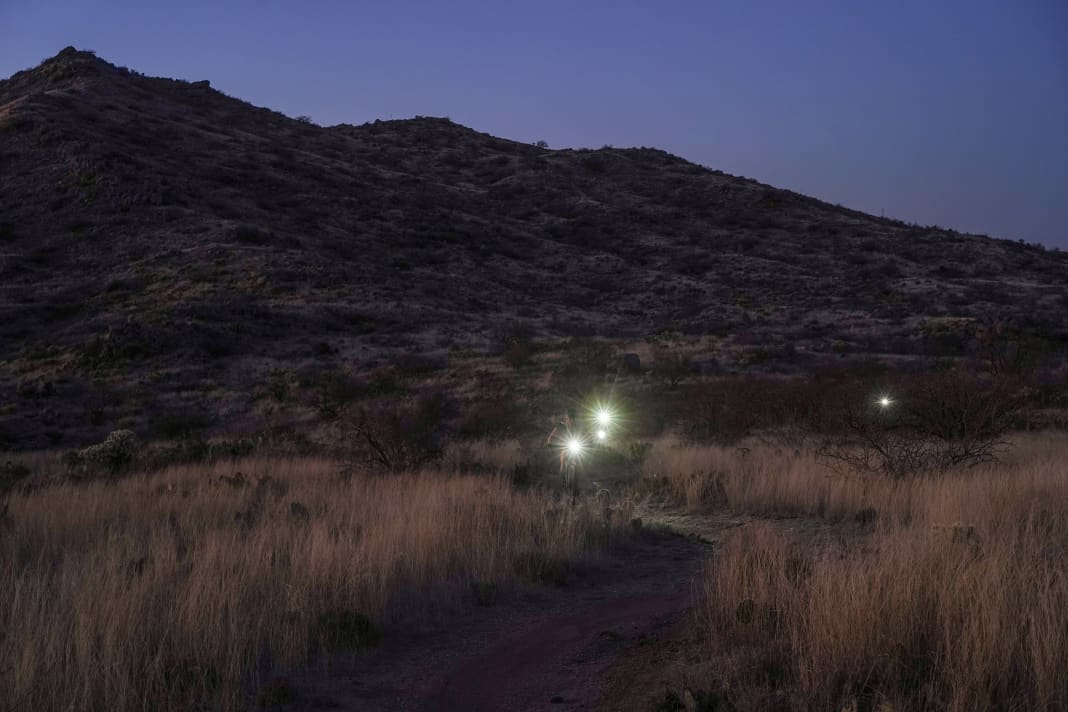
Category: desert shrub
<point>396,436</point>
<point>938,421</point>
<point>110,457</point>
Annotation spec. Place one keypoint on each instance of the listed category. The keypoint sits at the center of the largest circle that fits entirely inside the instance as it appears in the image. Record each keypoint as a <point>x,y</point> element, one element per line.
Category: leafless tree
<point>398,437</point>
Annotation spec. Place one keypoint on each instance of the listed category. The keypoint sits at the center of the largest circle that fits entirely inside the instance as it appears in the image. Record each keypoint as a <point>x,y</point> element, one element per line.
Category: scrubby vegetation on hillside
<point>159,234</point>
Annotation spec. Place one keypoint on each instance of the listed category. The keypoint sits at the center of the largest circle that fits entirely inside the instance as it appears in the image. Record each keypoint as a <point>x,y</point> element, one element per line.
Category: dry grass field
<point>940,593</point>
<point>843,592</point>
<point>157,592</point>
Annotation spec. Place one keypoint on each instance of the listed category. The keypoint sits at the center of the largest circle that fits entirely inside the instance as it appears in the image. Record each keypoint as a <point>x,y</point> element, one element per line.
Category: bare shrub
<point>396,436</point>
<point>943,420</point>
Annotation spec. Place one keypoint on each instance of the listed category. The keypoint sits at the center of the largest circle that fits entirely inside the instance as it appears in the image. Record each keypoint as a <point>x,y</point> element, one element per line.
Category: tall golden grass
<point>945,593</point>
<point>160,592</point>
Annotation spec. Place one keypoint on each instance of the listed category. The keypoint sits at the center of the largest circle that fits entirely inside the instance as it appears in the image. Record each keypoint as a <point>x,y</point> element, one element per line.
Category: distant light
<point>575,446</point>
<point>601,435</point>
<point>886,402</point>
<point>604,416</point>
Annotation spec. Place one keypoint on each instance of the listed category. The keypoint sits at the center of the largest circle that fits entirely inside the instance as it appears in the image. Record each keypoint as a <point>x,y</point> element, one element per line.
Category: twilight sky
<point>948,112</point>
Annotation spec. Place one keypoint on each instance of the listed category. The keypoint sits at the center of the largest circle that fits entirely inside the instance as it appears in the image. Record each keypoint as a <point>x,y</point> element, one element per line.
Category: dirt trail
<point>540,649</point>
<point>556,663</point>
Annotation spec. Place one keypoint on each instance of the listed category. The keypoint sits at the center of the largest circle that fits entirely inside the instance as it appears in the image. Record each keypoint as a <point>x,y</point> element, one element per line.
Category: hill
<point>161,241</point>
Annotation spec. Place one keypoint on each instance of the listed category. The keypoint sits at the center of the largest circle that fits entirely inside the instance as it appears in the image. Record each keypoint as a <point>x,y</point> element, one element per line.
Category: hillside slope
<point>155,229</point>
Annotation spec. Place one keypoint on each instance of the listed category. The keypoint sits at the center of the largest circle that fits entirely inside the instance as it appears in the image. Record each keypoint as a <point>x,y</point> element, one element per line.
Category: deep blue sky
<point>949,112</point>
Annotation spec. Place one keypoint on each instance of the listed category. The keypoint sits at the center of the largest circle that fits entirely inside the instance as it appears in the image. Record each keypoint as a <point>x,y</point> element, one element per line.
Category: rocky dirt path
<point>542,648</point>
